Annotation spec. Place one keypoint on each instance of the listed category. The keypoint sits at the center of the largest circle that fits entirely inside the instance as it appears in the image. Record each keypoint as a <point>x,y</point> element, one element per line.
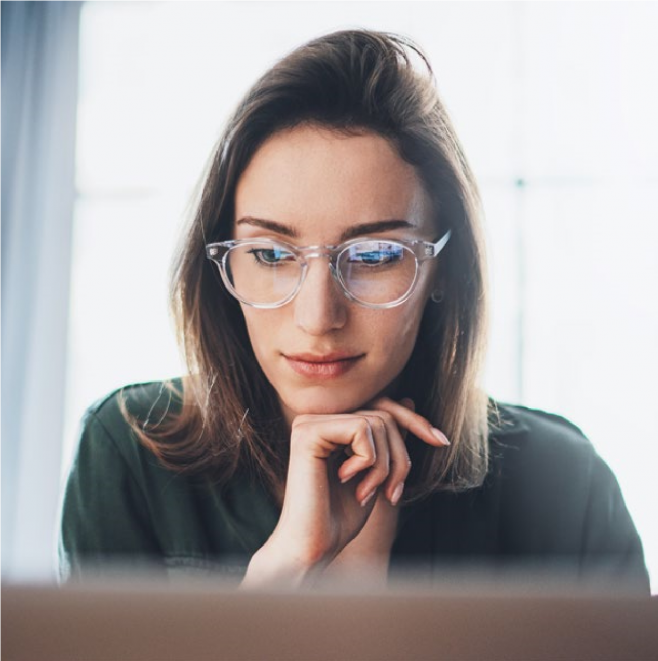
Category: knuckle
<point>363,423</point>
<point>402,466</point>
<point>364,427</point>
<point>300,428</point>
<point>295,436</point>
<point>370,458</point>
<point>378,423</point>
<point>301,420</point>
<point>387,418</point>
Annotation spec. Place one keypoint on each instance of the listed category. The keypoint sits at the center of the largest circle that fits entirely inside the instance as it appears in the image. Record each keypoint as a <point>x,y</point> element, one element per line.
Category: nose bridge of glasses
<point>308,252</point>
<point>316,251</point>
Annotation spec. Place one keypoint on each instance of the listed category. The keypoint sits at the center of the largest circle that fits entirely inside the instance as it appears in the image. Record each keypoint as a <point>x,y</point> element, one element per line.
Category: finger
<point>408,403</point>
<point>321,436</point>
<point>378,472</point>
<point>412,421</point>
<point>400,462</point>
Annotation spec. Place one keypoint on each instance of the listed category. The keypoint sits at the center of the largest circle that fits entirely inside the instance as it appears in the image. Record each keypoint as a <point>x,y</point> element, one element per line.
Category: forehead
<point>321,181</point>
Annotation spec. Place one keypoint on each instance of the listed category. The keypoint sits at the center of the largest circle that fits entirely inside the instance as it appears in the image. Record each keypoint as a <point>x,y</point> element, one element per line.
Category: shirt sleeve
<point>611,547</point>
<point>104,521</point>
<point>561,506</point>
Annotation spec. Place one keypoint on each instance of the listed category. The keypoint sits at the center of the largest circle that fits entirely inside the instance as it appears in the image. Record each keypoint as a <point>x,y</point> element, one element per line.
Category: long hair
<point>229,418</point>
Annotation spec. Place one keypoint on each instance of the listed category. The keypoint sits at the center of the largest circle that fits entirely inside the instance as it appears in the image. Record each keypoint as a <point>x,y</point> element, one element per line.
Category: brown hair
<point>229,418</point>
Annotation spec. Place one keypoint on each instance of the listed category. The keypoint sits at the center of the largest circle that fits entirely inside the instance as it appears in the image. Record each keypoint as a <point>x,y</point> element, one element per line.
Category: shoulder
<point>546,464</point>
<point>142,400</point>
<point>115,484</point>
<point>535,437</point>
<point>507,420</point>
<point>107,426</point>
<point>549,477</point>
<point>557,495</point>
<point>545,469</point>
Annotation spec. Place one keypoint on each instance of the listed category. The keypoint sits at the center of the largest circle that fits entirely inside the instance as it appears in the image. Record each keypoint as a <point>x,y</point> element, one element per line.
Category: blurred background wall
<point>110,110</point>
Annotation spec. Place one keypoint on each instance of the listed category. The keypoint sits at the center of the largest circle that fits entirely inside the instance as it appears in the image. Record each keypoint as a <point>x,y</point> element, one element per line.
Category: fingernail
<point>395,498</point>
<point>350,474</point>
<point>368,498</point>
<point>437,433</point>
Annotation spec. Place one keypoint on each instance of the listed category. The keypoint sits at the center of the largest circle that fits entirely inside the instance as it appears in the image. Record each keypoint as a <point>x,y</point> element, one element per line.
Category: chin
<point>326,402</point>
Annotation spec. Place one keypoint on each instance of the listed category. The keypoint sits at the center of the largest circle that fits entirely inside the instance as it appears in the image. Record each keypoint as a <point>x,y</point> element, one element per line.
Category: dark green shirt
<point>549,502</point>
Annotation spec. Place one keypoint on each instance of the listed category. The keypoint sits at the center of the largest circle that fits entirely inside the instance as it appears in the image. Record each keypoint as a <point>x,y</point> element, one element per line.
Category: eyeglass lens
<point>373,272</point>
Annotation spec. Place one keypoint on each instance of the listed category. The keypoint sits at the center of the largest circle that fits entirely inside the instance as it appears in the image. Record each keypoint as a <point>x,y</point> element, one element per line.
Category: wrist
<point>275,565</point>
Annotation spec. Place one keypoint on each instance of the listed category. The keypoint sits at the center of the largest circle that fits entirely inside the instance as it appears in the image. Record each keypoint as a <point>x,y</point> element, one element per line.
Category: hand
<point>337,464</point>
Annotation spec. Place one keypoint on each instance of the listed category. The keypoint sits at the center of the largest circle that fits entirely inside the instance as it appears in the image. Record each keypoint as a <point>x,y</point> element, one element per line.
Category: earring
<point>437,296</point>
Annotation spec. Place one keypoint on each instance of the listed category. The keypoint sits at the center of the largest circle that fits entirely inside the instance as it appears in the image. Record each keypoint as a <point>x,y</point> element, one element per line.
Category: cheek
<point>397,331</point>
<point>259,327</point>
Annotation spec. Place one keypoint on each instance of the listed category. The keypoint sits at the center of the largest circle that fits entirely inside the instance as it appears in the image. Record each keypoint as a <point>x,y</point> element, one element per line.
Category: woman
<point>330,299</point>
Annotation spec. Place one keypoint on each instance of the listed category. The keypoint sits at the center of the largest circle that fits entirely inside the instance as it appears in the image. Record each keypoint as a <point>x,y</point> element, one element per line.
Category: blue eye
<point>271,256</point>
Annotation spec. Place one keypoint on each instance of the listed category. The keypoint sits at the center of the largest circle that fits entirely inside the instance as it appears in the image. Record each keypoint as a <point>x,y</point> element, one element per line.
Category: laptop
<point>143,620</point>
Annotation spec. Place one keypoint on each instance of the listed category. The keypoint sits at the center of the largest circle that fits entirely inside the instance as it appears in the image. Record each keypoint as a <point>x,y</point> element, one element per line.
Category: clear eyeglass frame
<point>422,250</point>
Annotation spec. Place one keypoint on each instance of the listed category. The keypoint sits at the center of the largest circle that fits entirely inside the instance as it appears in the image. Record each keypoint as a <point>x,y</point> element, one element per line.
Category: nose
<point>320,305</point>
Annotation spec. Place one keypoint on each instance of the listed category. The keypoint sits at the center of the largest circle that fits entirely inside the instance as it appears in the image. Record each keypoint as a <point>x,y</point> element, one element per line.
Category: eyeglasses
<point>375,273</point>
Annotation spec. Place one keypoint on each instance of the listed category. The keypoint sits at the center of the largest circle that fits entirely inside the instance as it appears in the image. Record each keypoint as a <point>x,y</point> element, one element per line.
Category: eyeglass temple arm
<point>437,247</point>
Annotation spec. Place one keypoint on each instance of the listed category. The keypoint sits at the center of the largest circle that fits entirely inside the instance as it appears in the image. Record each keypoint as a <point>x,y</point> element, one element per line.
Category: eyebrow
<point>350,233</point>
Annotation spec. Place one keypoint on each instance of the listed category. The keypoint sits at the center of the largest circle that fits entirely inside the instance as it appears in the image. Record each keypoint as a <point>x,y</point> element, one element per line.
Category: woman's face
<point>306,186</point>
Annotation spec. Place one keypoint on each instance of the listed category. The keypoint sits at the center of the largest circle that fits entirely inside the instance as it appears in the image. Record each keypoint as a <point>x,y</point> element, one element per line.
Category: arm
<point>612,549</point>
<point>105,521</point>
<point>561,505</point>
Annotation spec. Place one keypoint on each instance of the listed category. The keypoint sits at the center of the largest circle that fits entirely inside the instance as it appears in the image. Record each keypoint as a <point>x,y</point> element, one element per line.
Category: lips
<point>322,366</point>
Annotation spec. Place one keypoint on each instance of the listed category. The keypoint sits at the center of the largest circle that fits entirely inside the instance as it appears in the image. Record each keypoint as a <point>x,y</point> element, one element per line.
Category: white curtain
<point>39,99</point>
